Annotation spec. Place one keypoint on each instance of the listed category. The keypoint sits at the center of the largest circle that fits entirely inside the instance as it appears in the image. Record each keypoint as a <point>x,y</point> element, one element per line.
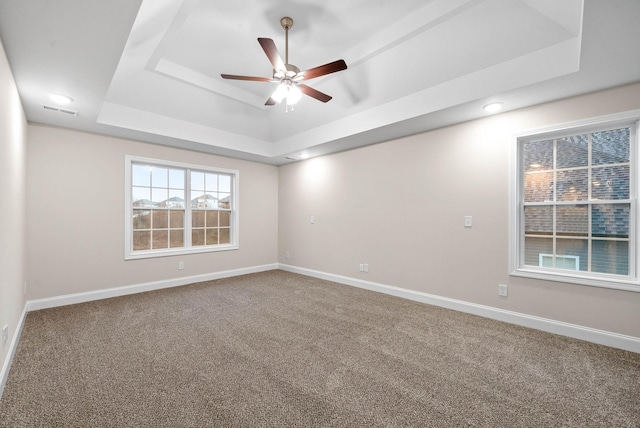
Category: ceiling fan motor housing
<point>291,72</point>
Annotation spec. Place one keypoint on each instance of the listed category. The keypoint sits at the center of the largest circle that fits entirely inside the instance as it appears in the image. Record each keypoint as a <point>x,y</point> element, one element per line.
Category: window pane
<point>197,180</point>
<point>159,196</point>
<point>533,247</point>
<point>538,155</point>
<point>159,177</point>
<point>610,257</point>
<point>538,187</point>
<point>212,182</point>
<point>176,199</point>
<point>609,147</point>
<point>141,241</point>
<point>141,219</point>
<point>610,220</point>
<point>176,238</point>
<point>572,220</point>
<point>225,201</point>
<point>197,237</point>
<point>197,218</point>
<point>610,182</point>
<point>176,219</point>
<point>572,185</point>
<point>212,236</point>
<point>537,220</point>
<point>212,218</point>
<point>224,183</point>
<point>571,254</point>
<point>225,236</point>
<point>160,239</point>
<point>141,175</point>
<point>200,200</point>
<point>141,196</point>
<point>160,219</point>
<point>176,178</point>
<point>211,200</point>
<point>224,219</point>
<point>572,151</point>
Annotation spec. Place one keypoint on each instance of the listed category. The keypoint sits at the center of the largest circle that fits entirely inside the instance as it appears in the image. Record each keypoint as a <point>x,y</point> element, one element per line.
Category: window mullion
<point>555,200</point>
<point>590,199</point>
<point>187,209</point>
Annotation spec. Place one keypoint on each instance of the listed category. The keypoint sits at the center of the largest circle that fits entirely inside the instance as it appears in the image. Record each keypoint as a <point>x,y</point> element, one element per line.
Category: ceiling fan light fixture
<point>289,91</point>
<point>294,94</point>
<point>280,93</point>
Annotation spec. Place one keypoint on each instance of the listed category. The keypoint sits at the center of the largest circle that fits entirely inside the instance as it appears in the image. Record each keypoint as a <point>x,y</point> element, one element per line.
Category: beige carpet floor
<point>279,349</point>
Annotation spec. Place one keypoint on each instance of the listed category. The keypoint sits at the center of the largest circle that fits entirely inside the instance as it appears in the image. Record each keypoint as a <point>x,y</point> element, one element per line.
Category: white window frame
<point>630,282</point>
<point>129,254</point>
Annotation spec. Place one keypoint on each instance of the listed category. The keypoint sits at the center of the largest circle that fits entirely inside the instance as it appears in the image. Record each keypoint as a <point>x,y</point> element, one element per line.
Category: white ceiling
<point>150,70</point>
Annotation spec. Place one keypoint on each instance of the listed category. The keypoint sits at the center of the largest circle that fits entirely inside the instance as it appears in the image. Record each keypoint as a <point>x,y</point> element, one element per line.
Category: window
<point>575,203</point>
<point>174,208</point>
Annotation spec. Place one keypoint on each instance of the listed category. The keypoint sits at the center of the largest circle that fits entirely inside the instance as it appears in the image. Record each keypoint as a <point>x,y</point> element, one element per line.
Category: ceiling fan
<point>288,76</point>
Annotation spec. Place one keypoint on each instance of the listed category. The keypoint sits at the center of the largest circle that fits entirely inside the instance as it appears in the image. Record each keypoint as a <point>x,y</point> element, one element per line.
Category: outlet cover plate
<point>502,290</point>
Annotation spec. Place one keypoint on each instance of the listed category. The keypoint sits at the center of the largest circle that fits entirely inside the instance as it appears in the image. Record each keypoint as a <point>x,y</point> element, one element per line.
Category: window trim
<point>129,254</point>
<point>516,213</point>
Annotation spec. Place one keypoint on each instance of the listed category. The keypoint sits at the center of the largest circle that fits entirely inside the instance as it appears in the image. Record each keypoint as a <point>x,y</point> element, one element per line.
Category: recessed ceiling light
<point>60,99</point>
<point>493,107</point>
<point>304,155</point>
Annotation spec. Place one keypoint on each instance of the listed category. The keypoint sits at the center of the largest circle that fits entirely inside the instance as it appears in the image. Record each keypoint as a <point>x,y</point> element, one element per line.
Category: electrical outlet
<point>468,221</point>
<point>180,265</point>
<point>286,255</point>
<point>502,290</point>
<point>364,267</point>
<point>5,334</point>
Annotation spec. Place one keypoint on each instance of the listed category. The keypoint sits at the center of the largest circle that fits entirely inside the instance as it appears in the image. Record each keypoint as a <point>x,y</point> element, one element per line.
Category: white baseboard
<point>602,337</point>
<point>6,365</point>
<point>70,299</point>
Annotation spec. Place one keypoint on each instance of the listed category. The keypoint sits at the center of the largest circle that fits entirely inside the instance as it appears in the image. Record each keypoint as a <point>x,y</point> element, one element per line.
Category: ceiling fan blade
<point>270,102</point>
<point>253,78</point>
<point>321,70</point>
<point>270,49</point>
<point>313,93</point>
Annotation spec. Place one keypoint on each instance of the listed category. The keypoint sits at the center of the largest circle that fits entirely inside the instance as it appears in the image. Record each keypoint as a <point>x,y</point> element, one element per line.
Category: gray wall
<point>76,217</point>
<point>399,206</point>
<point>13,129</point>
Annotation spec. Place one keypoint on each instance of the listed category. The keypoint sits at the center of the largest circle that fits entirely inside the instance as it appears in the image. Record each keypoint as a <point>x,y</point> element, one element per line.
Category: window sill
<point>603,281</point>
<point>178,252</point>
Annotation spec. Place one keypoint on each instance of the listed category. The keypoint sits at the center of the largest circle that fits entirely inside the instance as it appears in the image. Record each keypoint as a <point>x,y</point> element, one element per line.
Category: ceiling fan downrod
<point>286,23</point>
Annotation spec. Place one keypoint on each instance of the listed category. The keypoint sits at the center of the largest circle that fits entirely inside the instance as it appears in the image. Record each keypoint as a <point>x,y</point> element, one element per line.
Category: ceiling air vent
<point>61,110</point>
